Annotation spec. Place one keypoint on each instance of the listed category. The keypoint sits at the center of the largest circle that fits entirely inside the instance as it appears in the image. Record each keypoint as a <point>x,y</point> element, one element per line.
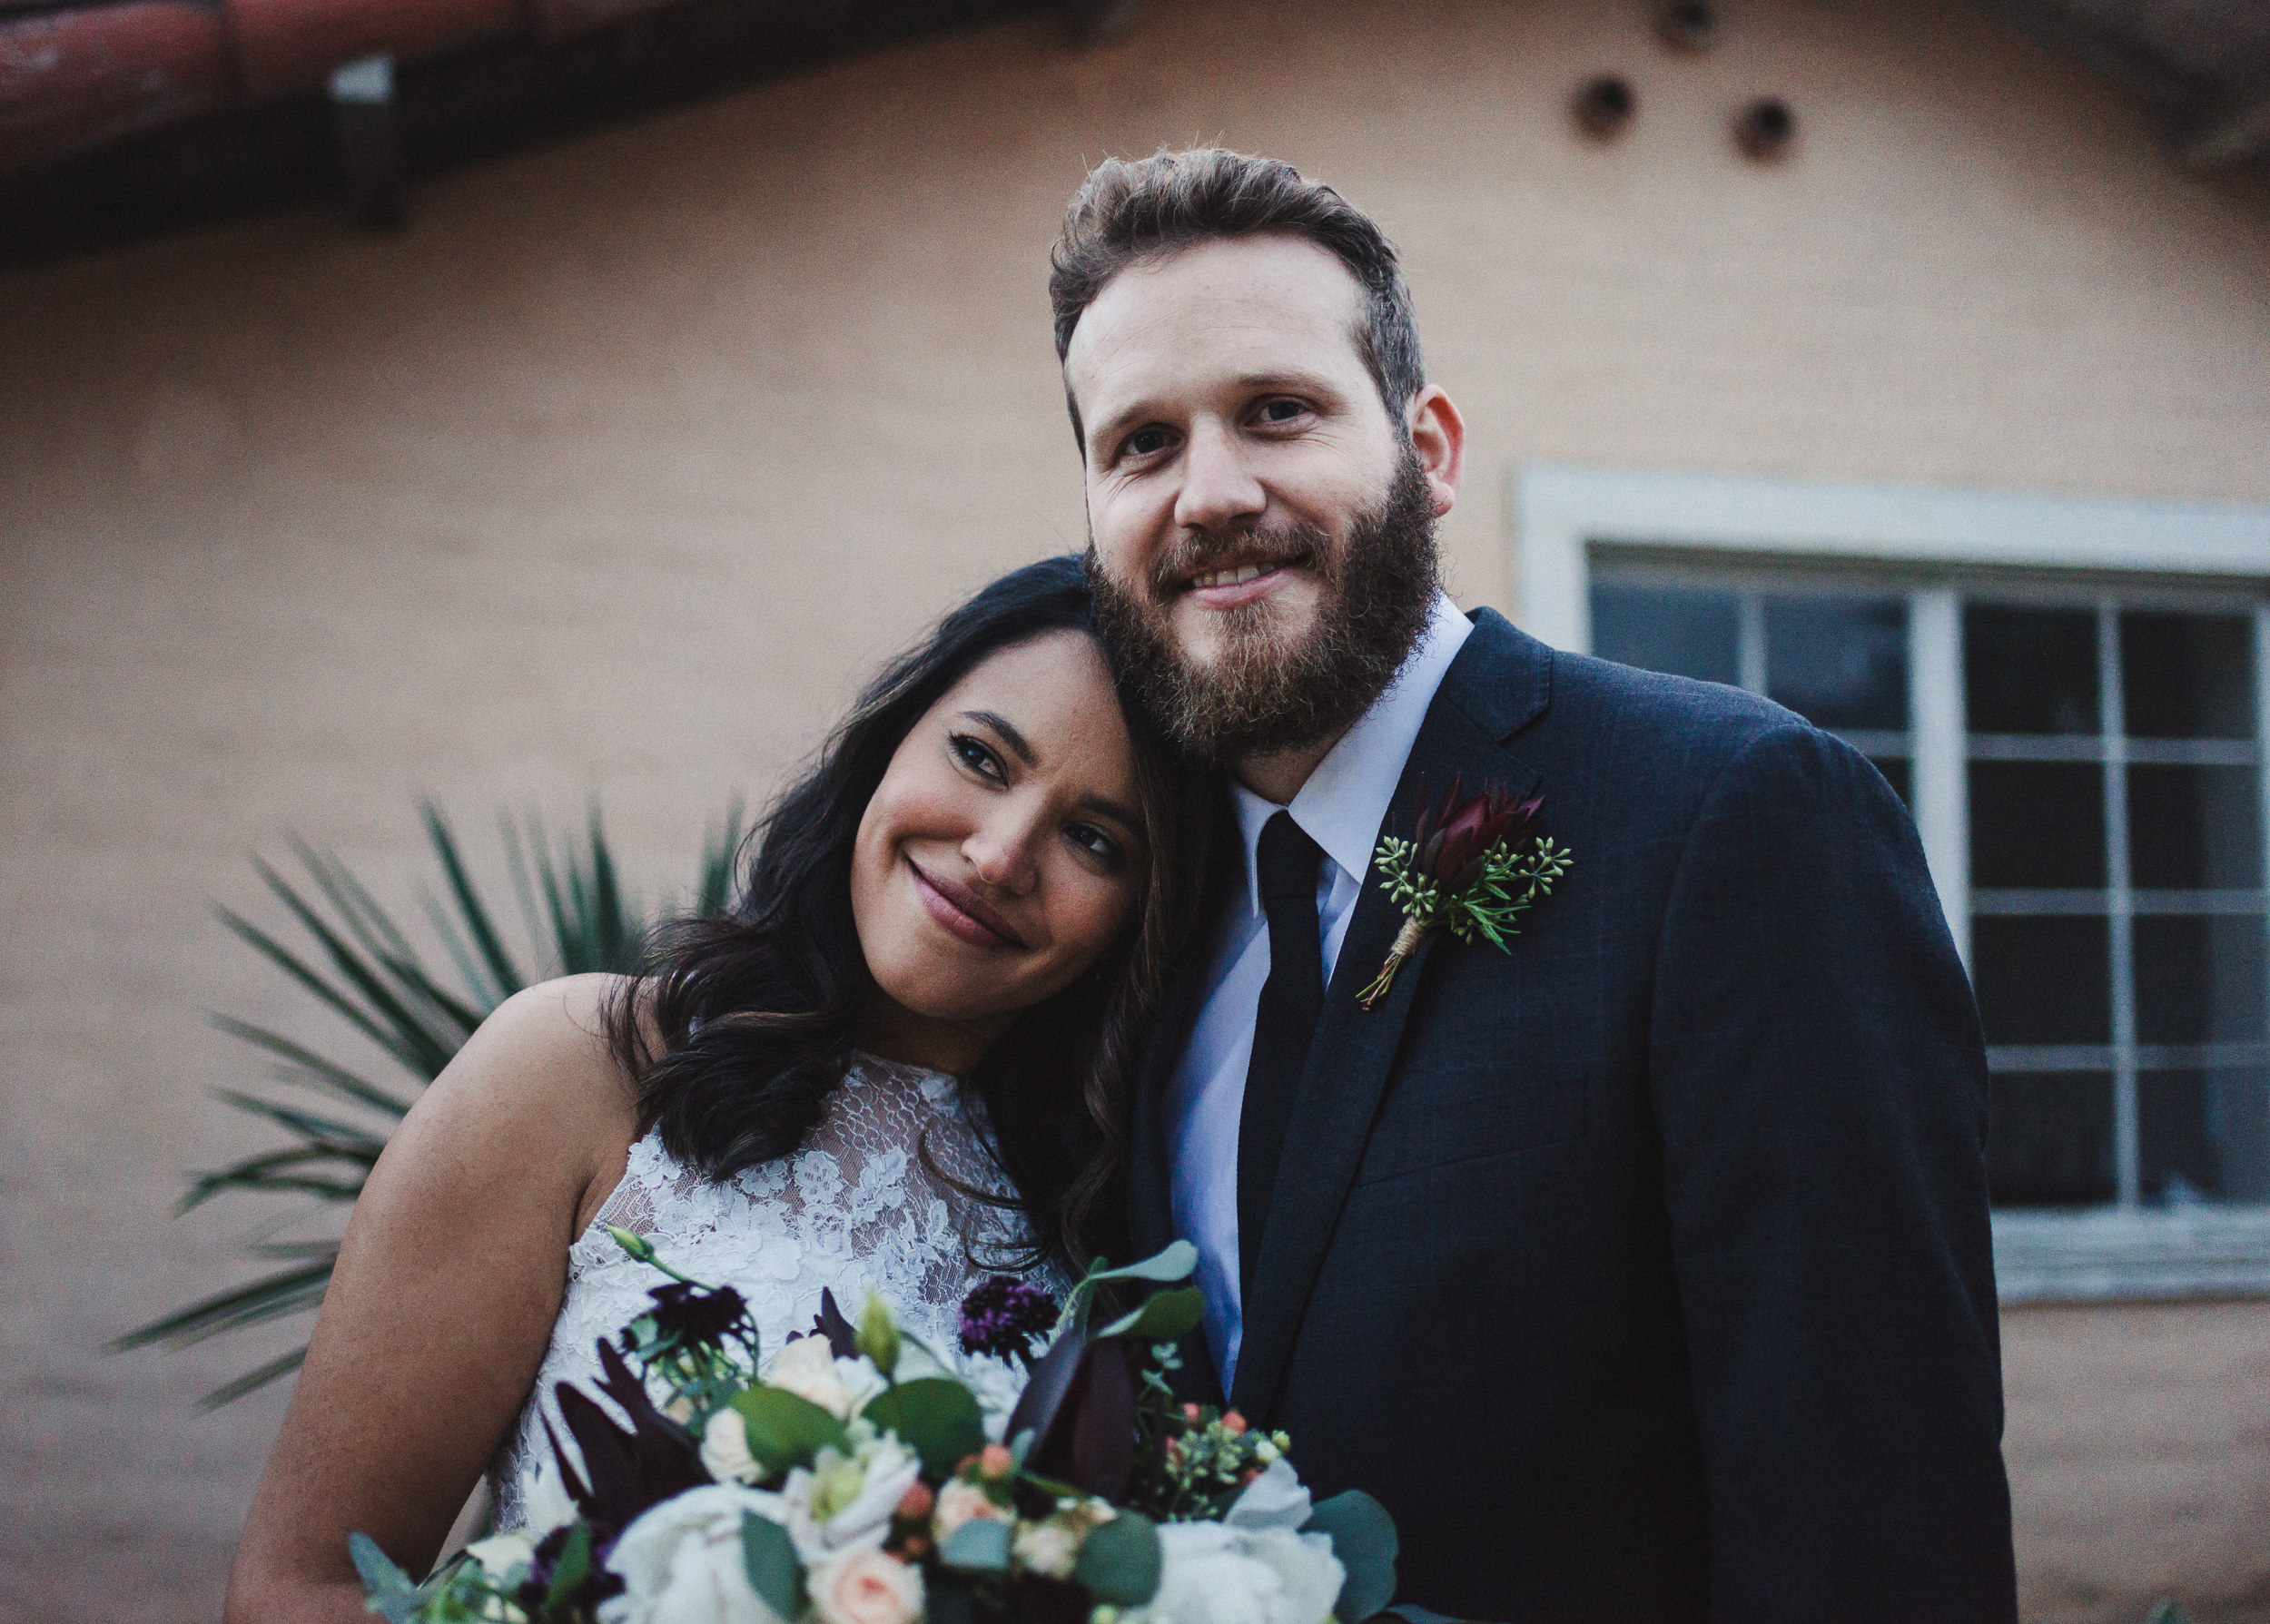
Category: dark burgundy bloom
<point>697,1316</point>
<point>1452,839</point>
<point>624,1472</point>
<point>1005,1316</point>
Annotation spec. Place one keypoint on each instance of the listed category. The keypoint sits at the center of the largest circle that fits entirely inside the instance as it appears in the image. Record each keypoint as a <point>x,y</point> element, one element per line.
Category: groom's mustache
<point>1202,552</point>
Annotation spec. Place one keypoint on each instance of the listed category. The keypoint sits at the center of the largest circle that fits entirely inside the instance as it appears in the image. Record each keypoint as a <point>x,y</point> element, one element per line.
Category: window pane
<point>2049,1138</point>
<point>1895,771</point>
<point>2029,671</point>
<point>2188,676</point>
<point>2205,1134</point>
<point>1687,631</point>
<point>1838,662</point>
<point>2036,825</point>
<point>2194,827</point>
<point>2043,980</point>
<point>2199,980</point>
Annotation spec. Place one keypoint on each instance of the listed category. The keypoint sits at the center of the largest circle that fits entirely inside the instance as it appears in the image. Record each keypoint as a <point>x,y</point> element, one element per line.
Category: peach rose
<point>866,1587</point>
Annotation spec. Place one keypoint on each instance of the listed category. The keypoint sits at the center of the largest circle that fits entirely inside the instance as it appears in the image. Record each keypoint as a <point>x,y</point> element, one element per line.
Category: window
<point>2070,696</point>
<point>2114,776</point>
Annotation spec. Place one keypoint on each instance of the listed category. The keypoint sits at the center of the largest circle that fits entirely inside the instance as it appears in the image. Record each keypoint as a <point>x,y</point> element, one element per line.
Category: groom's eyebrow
<point>1009,736</point>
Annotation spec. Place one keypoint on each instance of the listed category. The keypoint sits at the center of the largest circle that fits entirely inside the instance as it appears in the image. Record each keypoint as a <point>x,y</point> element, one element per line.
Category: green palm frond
<point>363,968</point>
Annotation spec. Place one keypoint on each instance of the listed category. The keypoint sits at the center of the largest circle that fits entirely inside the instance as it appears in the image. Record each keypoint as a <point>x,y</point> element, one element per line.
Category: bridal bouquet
<point>856,1478</point>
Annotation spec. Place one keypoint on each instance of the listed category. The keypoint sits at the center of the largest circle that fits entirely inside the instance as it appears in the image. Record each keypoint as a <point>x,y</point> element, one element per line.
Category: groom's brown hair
<point>1128,213</point>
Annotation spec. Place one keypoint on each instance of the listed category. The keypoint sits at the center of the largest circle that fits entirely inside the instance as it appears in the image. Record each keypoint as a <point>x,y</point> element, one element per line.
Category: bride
<point>898,1064</point>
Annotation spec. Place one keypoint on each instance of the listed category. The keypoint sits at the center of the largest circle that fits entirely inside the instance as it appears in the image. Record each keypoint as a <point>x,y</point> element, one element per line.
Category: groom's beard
<point>1268,690</point>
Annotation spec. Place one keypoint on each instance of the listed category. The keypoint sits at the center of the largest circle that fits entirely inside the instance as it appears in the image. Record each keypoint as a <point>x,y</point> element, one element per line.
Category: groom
<point>1642,1271</point>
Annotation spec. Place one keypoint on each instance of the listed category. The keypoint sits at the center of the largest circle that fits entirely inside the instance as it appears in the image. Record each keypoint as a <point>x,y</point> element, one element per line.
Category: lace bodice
<point>854,1211</point>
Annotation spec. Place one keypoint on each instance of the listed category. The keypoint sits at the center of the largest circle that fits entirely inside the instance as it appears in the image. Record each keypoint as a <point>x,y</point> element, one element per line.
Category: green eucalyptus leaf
<point>1166,1316</point>
<point>387,1586</point>
<point>775,1573</point>
<point>1119,1560</point>
<point>1169,1264</point>
<point>1364,1538</point>
<point>573,1568</point>
<point>979,1546</point>
<point>785,1430</point>
<point>937,1418</point>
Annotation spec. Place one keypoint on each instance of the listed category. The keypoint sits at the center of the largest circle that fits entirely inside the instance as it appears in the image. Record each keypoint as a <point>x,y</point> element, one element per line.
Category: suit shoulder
<point>1642,705</point>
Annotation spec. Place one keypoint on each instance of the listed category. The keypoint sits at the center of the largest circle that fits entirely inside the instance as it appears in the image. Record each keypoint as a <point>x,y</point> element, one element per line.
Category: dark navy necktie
<point>1292,999</point>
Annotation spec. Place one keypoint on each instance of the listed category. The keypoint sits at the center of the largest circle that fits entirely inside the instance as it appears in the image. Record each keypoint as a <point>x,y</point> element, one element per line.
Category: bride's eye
<point>978,757</point>
<point>1095,842</point>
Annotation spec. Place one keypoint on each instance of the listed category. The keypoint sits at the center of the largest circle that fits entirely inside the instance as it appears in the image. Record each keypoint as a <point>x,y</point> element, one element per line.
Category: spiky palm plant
<point>365,970</point>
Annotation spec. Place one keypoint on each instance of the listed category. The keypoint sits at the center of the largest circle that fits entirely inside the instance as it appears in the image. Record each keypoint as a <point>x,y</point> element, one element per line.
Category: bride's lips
<point>962,910</point>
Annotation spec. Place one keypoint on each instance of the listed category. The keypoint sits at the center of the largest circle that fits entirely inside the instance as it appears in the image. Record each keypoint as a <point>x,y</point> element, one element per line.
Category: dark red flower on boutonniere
<point>1472,864</point>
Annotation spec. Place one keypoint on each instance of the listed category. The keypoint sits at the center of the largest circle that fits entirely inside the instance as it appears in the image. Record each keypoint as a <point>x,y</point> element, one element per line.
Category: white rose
<point>806,1368</point>
<point>501,1553</point>
<point>681,1561</point>
<point>960,1503</point>
<point>1212,1573</point>
<point>866,1587</point>
<point>841,1503</point>
<point>1274,1500</point>
<point>1051,1549</point>
<point>725,1448</point>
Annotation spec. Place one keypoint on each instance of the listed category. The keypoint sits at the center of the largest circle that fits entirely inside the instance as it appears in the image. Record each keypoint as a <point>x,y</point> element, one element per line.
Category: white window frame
<point>1559,514</point>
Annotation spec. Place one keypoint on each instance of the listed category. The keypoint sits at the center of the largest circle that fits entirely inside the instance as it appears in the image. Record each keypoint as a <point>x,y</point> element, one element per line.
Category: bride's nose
<point>1001,852</point>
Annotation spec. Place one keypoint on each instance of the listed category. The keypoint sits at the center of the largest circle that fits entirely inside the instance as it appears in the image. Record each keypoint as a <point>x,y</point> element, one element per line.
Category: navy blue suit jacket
<point>1644,1272</point>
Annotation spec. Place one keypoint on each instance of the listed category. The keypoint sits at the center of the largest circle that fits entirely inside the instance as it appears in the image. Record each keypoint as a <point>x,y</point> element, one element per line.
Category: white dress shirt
<point>1341,808</point>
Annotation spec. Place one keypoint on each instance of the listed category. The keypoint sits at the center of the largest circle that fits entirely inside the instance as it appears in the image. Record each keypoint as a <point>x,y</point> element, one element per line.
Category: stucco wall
<point>612,472</point>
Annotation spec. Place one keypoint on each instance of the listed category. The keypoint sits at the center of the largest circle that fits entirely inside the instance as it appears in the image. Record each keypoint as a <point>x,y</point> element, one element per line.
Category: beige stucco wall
<point>614,470</point>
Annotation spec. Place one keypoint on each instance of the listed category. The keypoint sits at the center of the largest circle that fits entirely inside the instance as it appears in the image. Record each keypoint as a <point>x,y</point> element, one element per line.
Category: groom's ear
<point>1438,436</point>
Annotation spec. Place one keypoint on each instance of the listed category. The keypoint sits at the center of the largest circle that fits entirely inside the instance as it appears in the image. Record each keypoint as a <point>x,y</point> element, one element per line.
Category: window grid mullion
<point>1749,641</point>
<point>2127,1150</point>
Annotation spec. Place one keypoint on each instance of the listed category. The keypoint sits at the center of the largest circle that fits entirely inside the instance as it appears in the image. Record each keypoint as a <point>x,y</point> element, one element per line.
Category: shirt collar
<point>1345,799</point>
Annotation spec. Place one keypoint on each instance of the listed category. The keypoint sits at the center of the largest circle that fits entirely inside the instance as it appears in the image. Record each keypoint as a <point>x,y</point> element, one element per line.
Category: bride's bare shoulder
<point>546,1057</point>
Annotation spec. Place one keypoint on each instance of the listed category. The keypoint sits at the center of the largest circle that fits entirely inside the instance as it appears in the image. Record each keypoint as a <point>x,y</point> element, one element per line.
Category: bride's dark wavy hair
<point>736,1030</point>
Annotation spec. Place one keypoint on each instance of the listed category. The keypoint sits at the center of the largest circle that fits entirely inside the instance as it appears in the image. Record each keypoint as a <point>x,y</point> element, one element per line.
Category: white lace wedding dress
<point>854,1211</point>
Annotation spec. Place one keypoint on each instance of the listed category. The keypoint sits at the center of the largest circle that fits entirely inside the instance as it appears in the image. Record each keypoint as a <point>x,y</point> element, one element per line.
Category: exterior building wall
<point>614,472</point>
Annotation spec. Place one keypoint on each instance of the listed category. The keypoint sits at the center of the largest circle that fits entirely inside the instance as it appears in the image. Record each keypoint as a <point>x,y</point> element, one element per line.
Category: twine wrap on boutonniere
<point>1471,867</point>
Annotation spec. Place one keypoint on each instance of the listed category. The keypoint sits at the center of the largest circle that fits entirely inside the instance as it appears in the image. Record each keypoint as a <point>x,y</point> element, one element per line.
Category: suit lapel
<point>1499,682</point>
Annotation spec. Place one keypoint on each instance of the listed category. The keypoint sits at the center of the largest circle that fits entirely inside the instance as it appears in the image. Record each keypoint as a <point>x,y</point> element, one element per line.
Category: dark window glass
<point>1687,631</point>
<point>2204,1134</point>
<point>2194,827</point>
<point>2188,676</point>
<point>2037,825</point>
<point>2049,1138</point>
<point>2029,671</point>
<point>1838,662</point>
<point>2199,980</point>
<point>1895,771</point>
<point>2043,980</point>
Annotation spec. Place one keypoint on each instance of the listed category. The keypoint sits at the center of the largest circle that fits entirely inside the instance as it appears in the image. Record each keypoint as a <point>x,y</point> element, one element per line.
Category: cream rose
<point>681,1561</point>
<point>960,1503</point>
<point>866,1587</point>
<point>725,1448</point>
<point>806,1368</point>
<point>1051,1549</point>
<point>1215,1574</point>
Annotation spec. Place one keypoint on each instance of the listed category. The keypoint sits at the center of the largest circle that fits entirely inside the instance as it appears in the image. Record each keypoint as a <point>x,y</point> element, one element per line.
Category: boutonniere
<point>1472,866</point>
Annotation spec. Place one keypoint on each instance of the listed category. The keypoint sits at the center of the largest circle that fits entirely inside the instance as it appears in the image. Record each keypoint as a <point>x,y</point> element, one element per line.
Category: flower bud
<point>638,1246</point>
<point>1233,1423</point>
<point>879,1335</point>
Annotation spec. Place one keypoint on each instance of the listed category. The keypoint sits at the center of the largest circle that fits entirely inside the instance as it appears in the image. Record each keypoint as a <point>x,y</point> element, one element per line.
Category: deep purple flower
<point>1451,839</point>
<point>692,1316</point>
<point>1004,1316</point>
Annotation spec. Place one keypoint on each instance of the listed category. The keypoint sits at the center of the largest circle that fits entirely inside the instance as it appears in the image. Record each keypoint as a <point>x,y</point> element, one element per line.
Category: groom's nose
<point>1220,492</point>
